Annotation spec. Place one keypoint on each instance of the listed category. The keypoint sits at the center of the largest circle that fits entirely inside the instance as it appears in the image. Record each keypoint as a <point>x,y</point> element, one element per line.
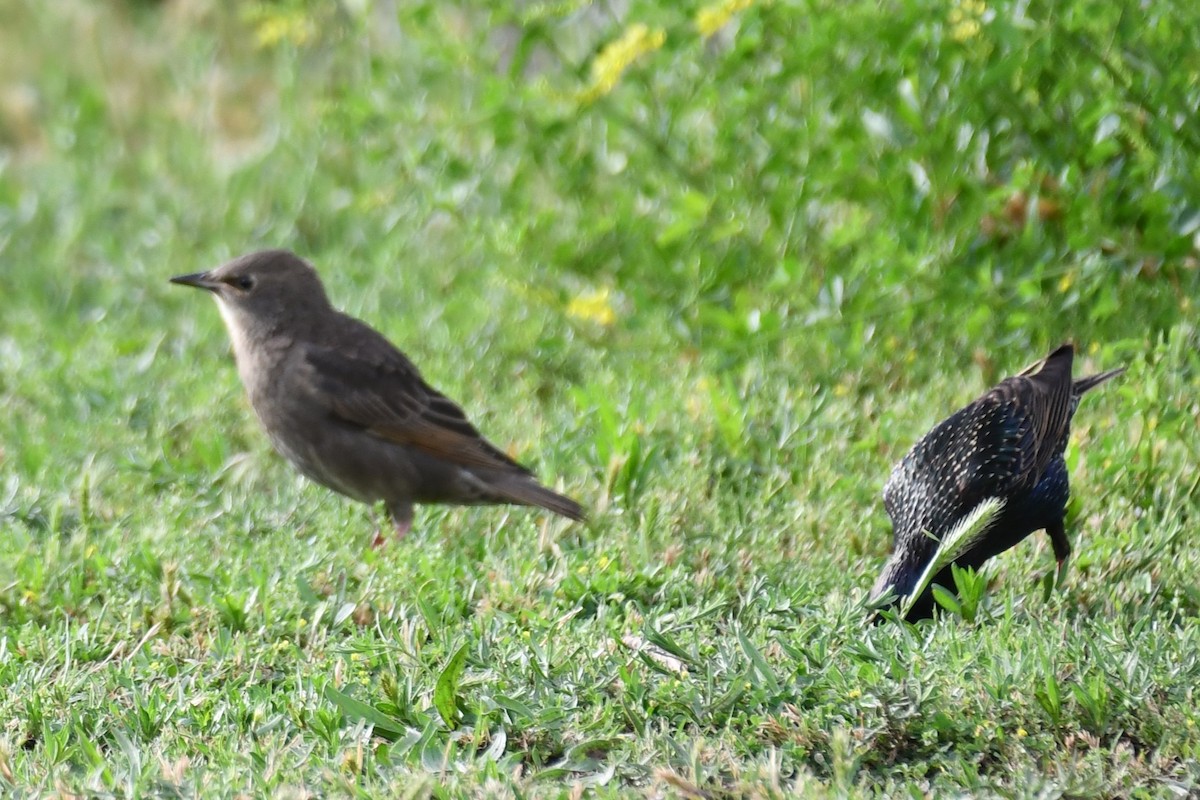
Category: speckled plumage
<point>1007,444</point>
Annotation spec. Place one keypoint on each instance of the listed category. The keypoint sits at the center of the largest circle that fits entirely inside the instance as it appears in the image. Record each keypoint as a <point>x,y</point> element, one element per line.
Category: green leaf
<point>665,642</point>
<point>307,594</point>
<point>961,538</point>
<point>1049,695</point>
<point>513,706</point>
<point>946,599</point>
<point>445,693</point>
<point>760,664</point>
<point>385,726</point>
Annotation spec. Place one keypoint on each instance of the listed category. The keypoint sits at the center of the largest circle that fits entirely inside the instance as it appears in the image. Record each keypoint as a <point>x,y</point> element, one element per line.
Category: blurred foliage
<point>893,177</point>
<point>969,174</point>
<point>714,266</point>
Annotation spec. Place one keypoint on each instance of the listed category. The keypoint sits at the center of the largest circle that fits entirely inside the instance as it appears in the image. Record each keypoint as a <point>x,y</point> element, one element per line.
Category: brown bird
<point>348,409</point>
<point>1007,444</point>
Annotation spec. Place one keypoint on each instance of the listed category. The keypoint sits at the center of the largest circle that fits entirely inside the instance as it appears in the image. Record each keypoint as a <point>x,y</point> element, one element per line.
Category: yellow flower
<point>275,25</point>
<point>1066,282</point>
<point>965,29</point>
<point>699,400</point>
<point>593,306</point>
<point>372,201</point>
<point>1022,733</point>
<point>615,58</point>
<point>715,16</point>
<point>854,694</point>
<point>965,19</point>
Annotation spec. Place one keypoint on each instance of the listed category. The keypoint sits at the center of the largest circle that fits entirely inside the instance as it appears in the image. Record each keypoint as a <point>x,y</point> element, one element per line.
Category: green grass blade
<point>969,530</point>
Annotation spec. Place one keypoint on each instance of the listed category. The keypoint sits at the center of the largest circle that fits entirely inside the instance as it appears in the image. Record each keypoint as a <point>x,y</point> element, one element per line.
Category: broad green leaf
<point>445,693</point>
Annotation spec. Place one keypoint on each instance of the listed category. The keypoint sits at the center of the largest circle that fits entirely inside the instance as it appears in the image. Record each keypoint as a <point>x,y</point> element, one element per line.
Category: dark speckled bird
<point>1007,444</point>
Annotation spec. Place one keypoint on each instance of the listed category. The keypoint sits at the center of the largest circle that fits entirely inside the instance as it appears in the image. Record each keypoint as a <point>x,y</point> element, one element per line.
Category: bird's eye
<point>243,282</point>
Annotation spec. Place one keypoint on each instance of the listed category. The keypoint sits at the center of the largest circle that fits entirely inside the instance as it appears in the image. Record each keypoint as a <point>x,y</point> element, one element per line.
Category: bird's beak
<point>897,575</point>
<point>201,280</point>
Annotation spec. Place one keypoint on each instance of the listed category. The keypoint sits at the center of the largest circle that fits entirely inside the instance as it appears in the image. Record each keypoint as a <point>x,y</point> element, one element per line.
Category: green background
<point>713,289</point>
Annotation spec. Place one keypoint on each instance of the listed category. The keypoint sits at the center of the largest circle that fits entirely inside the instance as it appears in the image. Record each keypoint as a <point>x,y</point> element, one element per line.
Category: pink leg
<point>402,517</point>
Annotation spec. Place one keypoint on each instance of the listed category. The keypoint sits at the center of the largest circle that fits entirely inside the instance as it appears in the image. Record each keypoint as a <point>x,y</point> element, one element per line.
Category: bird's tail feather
<point>1058,360</point>
<point>1092,381</point>
<point>530,493</point>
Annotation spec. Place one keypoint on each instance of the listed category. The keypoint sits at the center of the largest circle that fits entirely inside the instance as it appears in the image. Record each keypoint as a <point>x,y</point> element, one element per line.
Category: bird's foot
<point>401,515</point>
<point>402,527</point>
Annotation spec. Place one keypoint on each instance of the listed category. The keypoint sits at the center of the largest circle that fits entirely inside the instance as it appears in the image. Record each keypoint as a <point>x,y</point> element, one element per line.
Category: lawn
<point>709,268</point>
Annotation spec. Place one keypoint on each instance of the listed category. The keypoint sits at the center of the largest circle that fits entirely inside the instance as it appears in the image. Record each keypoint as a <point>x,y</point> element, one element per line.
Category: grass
<point>714,293</point>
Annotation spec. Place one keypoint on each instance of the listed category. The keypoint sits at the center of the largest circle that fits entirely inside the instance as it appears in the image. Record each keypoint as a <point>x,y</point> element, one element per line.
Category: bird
<point>1007,444</point>
<point>346,408</point>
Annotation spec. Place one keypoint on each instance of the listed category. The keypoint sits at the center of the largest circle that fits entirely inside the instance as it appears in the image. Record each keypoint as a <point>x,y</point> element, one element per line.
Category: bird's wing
<point>1045,399</point>
<point>980,451</point>
<point>1007,438</point>
<point>375,387</point>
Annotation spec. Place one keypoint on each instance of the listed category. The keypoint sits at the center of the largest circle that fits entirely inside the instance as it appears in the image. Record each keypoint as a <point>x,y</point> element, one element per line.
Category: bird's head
<point>908,500</point>
<point>900,574</point>
<point>262,291</point>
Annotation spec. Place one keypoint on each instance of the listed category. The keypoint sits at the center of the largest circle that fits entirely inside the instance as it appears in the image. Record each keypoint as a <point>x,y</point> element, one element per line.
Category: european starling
<point>1007,444</point>
<point>348,409</point>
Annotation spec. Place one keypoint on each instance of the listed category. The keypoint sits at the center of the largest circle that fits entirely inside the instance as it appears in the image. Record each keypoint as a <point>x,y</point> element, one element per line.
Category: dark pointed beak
<point>201,280</point>
<point>892,582</point>
<point>896,581</point>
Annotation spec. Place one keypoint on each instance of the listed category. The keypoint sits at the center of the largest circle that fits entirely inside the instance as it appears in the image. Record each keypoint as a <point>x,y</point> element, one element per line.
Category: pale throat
<point>251,349</point>
<point>237,332</point>
<point>244,353</point>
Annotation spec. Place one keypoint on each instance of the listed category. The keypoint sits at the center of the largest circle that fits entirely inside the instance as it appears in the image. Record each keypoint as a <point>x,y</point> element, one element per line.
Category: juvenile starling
<point>1007,444</point>
<point>348,409</point>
